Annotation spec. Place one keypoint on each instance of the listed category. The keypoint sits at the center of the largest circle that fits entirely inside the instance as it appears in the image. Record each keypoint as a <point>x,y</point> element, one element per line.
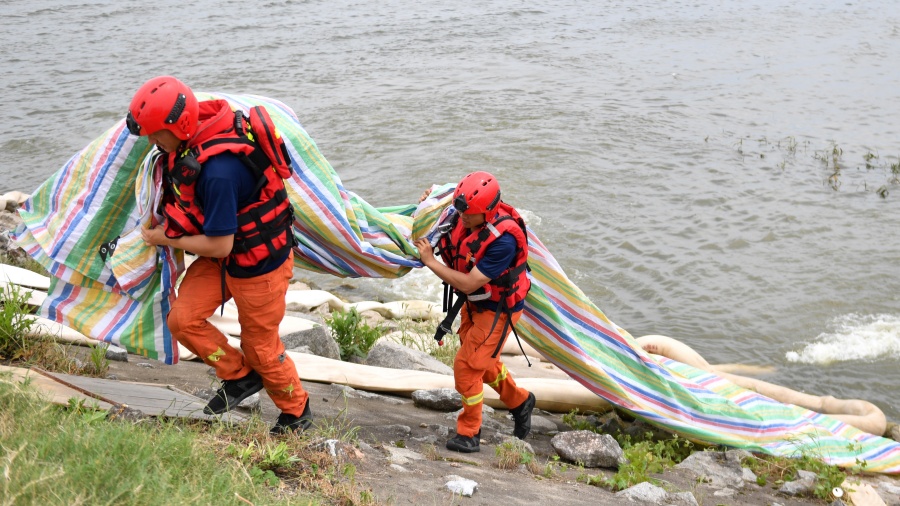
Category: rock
<point>588,448</point>
<point>397,431</point>
<point>442,430</point>
<point>803,486</point>
<point>298,349</point>
<point>113,352</point>
<point>647,493</point>
<point>122,412</point>
<point>725,492</point>
<point>9,220</point>
<point>682,499</point>
<point>298,285</point>
<point>721,470</point>
<point>351,392</point>
<point>644,492</point>
<point>439,399</point>
<point>516,443</point>
<point>889,490</point>
<point>387,353</point>
<point>372,318</point>
<point>402,456</point>
<point>317,339</point>
<point>410,339</point>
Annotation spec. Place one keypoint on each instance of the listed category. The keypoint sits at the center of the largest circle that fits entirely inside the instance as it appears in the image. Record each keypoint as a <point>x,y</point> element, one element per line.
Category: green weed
<point>647,457</point>
<point>15,322</point>
<point>777,470</point>
<point>98,364</point>
<point>512,454</point>
<point>353,335</point>
<point>340,427</point>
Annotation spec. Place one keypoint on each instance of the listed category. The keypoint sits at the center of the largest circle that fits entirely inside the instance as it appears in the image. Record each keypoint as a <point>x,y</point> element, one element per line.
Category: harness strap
<point>507,324</point>
<point>272,204</point>
<point>446,325</point>
<point>483,234</point>
<point>264,232</point>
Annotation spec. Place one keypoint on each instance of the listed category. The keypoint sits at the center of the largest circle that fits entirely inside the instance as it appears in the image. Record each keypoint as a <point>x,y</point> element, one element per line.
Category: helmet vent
<point>177,109</point>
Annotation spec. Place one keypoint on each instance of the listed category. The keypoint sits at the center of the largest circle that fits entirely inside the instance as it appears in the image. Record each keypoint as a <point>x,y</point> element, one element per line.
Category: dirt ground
<point>421,481</point>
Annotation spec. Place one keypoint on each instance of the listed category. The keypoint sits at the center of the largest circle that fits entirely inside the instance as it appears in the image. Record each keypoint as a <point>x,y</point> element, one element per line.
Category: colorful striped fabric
<point>108,190</point>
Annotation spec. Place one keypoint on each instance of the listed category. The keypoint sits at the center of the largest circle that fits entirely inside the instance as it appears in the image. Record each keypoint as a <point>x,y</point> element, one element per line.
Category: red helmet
<point>163,102</point>
<point>477,193</point>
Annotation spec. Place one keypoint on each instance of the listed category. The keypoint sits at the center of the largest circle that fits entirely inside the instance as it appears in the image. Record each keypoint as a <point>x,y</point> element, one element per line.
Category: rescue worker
<point>224,200</point>
<point>485,254</point>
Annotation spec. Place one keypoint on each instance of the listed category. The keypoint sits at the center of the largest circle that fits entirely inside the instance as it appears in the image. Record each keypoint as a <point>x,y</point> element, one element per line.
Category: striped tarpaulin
<point>102,196</point>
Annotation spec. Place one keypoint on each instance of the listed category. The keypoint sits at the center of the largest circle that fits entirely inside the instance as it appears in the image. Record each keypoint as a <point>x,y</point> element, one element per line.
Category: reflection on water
<point>679,156</point>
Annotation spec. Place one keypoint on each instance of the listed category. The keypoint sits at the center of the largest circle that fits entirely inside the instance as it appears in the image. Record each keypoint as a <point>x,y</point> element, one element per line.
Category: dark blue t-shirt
<point>226,185</point>
<point>497,258</point>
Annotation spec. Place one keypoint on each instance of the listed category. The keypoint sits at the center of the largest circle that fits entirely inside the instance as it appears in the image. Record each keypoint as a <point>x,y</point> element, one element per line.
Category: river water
<point>719,172</point>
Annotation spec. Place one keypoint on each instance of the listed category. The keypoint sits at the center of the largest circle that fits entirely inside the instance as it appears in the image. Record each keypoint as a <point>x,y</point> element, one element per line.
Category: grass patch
<point>74,454</point>
<point>512,454</point>
<point>15,323</point>
<point>19,343</point>
<point>652,455</point>
<point>778,470</point>
<point>53,455</point>
<point>354,336</point>
<point>645,458</point>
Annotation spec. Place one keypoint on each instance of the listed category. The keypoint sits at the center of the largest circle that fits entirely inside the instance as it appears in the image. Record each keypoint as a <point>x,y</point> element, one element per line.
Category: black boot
<point>287,422</point>
<point>522,416</point>
<point>465,444</point>
<point>233,392</point>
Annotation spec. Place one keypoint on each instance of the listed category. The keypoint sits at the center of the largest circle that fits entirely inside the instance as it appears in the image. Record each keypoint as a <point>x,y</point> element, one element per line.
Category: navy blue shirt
<point>224,186</point>
<point>498,257</point>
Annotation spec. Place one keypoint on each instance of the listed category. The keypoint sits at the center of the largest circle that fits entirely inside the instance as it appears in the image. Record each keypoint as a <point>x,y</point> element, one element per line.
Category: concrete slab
<point>149,399</point>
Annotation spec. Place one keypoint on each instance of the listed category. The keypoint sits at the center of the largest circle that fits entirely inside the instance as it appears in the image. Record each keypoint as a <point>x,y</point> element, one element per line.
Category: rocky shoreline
<point>402,459</point>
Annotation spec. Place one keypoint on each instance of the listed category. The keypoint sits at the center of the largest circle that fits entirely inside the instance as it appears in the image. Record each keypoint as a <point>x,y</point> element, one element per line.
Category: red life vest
<point>264,226</point>
<point>462,249</point>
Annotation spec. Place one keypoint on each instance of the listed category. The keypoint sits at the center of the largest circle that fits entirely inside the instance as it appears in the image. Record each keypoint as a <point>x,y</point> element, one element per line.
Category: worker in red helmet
<point>224,200</point>
<point>485,256</point>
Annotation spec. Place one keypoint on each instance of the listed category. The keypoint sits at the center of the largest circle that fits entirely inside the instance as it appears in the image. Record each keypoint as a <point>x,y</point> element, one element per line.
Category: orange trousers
<point>474,366</point>
<point>261,305</point>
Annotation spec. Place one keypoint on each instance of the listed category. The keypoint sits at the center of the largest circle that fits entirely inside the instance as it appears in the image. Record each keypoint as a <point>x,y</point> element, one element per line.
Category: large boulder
<point>387,353</point>
<point>317,340</point>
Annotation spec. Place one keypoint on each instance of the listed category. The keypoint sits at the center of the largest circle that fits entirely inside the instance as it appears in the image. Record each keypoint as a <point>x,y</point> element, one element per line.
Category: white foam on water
<point>854,337</point>
<point>531,218</point>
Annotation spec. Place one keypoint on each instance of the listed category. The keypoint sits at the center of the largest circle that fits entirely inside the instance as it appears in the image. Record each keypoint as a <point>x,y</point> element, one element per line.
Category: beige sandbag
<point>556,395</point>
<point>863,415</point>
<point>44,327</point>
<point>304,300</point>
<point>23,277</point>
<point>15,196</point>
<point>414,309</point>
